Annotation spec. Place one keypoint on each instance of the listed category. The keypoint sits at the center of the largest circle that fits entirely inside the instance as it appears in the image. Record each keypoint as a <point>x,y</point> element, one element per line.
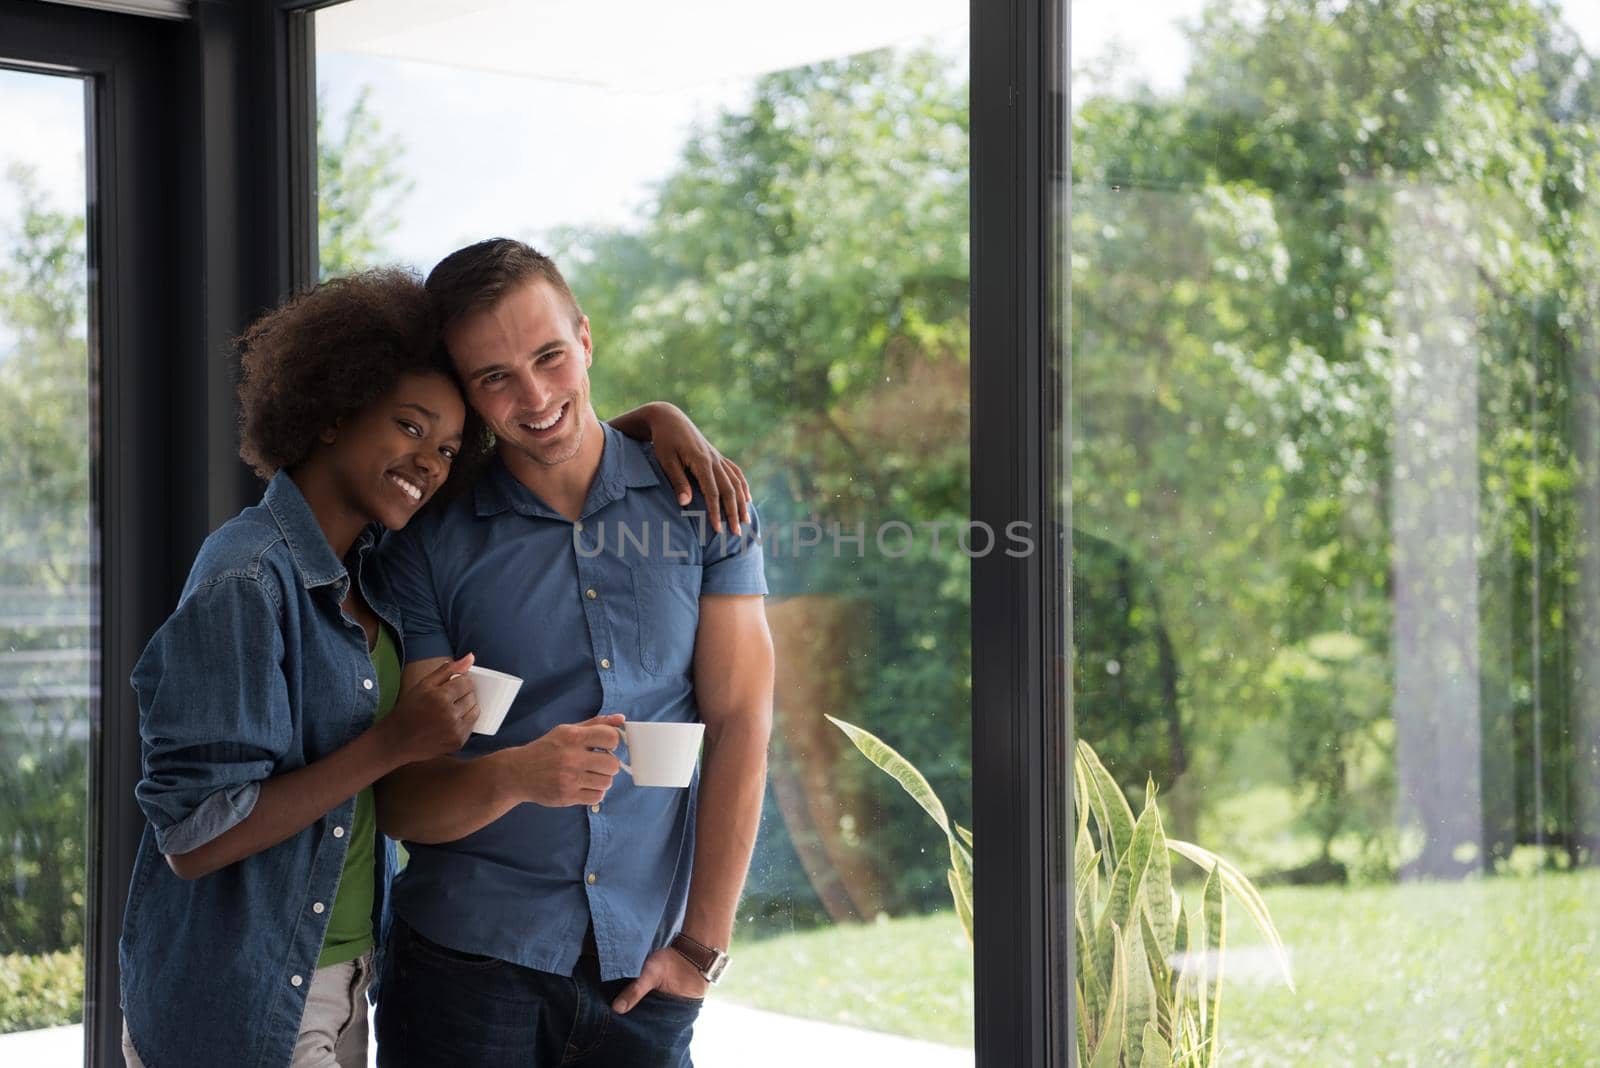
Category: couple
<point>306,704</point>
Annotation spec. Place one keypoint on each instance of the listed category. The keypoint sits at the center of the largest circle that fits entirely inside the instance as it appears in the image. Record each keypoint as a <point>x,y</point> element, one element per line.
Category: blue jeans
<point>438,1008</point>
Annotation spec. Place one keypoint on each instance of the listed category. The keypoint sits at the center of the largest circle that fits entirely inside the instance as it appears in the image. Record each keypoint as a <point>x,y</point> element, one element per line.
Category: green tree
<point>800,286</point>
<point>46,573</point>
<point>361,187</point>
<point>1329,348</point>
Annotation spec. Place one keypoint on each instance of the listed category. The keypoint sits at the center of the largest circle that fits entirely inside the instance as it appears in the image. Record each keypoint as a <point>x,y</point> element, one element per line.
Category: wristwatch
<point>709,962</point>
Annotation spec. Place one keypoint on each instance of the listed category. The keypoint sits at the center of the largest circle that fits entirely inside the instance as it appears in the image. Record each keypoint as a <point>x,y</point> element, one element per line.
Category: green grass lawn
<point>910,976</point>
<point>1502,972</point>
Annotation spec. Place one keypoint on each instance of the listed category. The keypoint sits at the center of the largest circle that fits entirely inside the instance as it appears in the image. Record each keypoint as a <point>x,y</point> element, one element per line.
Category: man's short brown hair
<point>479,276</point>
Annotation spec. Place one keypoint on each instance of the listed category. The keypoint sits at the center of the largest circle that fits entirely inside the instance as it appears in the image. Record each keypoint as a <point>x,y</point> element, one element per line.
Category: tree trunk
<point>1434,524</point>
<point>1584,606</point>
<point>822,790</point>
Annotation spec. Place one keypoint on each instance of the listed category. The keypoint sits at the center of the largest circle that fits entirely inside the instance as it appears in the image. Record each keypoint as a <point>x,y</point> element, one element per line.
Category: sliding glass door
<point>49,562</point>
<point>767,223</point>
<point>1336,504</point>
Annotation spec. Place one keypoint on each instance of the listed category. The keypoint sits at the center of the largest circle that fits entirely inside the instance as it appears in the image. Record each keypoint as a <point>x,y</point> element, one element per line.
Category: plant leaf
<point>1082,1029</point>
<point>1086,891</point>
<point>1180,956</point>
<point>1083,854</point>
<point>1128,883</point>
<point>1197,967</point>
<point>1096,978</point>
<point>1213,913</point>
<point>1242,888</point>
<point>963,901</point>
<point>1110,808</point>
<point>1157,1054</point>
<point>1158,879</point>
<point>1141,996</point>
<point>898,768</point>
<point>1160,973</point>
<point>1109,1052</point>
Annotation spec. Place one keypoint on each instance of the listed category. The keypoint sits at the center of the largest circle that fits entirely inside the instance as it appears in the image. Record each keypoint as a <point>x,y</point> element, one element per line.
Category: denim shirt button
<point>317,908</point>
<point>295,980</point>
<point>338,832</point>
<point>366,684</point>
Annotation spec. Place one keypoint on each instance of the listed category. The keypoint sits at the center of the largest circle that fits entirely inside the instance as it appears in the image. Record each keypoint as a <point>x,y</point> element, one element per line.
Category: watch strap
<point>708,961</point>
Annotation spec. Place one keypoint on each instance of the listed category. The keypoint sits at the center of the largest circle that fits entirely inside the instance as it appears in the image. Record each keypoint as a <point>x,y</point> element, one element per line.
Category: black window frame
<point>190,234</point>
<point>1022,731</point>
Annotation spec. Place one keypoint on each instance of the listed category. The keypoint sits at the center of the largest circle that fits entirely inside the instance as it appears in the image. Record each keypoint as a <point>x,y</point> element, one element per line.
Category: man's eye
<point>492,377</point>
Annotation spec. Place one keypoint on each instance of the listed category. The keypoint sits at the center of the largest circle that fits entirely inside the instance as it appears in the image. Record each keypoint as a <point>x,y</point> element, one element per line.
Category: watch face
<point>718,969</point>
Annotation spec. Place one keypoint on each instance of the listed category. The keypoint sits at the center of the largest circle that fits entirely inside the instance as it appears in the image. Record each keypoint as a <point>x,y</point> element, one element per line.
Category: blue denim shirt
<point>595,616</point>
<point>256,673</point>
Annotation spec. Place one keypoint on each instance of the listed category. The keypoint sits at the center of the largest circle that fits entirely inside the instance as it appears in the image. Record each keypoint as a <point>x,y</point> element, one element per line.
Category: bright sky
<point>498,153</point>
<point>41,125</point>
<point>493,153</point>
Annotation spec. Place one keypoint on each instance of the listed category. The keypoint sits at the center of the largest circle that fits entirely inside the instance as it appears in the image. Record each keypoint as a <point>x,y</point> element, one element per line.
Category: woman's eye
<point>411,428</point>
<point>448,453</point>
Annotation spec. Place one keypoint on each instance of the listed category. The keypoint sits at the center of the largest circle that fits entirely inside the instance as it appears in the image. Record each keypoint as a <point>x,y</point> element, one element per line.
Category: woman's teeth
<point>411,489</point>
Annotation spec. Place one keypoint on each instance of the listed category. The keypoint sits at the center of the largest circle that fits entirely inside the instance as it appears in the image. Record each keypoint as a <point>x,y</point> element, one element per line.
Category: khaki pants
<point>333,1031</point>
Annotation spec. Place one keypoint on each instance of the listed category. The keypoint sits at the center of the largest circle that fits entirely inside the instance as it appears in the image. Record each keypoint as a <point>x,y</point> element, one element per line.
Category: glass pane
<point>767,224</point>
<point>1336,501</point>
<point>48,575</point>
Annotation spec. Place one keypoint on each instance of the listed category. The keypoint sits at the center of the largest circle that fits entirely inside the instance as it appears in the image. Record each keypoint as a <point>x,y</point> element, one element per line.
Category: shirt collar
<point>624,465</point>
<point>308,546</point>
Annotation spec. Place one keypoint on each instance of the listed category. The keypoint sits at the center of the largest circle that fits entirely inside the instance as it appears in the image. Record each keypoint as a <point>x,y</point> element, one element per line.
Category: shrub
<point>41,991</point>
<point>43,828</point>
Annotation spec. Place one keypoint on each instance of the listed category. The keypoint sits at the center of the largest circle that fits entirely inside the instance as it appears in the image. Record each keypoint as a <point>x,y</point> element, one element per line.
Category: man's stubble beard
<point>546,458</point>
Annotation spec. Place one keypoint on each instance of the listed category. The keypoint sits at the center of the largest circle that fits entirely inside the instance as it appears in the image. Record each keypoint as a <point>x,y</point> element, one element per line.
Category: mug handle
<point>624,732</point>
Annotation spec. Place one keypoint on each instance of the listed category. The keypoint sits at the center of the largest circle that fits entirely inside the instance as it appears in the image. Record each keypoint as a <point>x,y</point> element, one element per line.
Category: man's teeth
<point>413,490</point>
<point>550,422</point>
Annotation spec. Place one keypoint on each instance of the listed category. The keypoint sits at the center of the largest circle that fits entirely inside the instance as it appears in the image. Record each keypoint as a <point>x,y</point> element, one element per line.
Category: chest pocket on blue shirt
<point>668,599</point>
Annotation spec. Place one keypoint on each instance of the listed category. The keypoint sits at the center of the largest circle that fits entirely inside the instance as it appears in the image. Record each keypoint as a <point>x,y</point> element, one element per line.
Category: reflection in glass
<point>1336,384</point>
<point>784,254</point>
<point>48,575</point>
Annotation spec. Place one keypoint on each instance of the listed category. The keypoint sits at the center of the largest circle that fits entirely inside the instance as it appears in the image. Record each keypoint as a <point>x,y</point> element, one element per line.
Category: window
<point>766,223</point>
<point>49,550</point>
<point>1336,497</point>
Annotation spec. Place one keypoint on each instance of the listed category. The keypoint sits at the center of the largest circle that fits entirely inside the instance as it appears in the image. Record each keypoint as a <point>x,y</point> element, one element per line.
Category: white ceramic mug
<point>496,690</point>
<point>662,754</point>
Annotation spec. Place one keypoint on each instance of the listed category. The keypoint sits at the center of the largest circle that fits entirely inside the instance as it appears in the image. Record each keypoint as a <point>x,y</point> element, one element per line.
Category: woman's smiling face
<point>391,457</point>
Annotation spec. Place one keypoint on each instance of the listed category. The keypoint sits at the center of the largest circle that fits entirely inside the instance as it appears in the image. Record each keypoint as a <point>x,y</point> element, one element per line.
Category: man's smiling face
<point>525,362</point>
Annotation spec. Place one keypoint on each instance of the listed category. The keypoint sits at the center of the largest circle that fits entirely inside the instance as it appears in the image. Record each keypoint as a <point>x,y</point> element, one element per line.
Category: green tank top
<point>350,927</point>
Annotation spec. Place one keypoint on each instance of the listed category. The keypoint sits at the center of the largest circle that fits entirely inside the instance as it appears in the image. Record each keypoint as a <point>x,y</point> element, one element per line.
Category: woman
<point>268,701</point>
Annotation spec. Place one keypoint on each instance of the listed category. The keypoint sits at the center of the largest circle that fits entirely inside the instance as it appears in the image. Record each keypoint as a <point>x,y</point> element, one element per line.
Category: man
<point>553,912</point>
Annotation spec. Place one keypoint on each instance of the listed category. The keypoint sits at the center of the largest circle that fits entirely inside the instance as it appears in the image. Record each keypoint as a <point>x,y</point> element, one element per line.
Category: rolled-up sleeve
<point>732,563</point>
<point>406,569</point>
<point>214,714</point>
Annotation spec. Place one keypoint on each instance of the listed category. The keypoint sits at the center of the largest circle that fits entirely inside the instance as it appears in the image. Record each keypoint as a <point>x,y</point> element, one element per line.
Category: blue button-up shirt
<point>596,616</point>
<point>256,673</point>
